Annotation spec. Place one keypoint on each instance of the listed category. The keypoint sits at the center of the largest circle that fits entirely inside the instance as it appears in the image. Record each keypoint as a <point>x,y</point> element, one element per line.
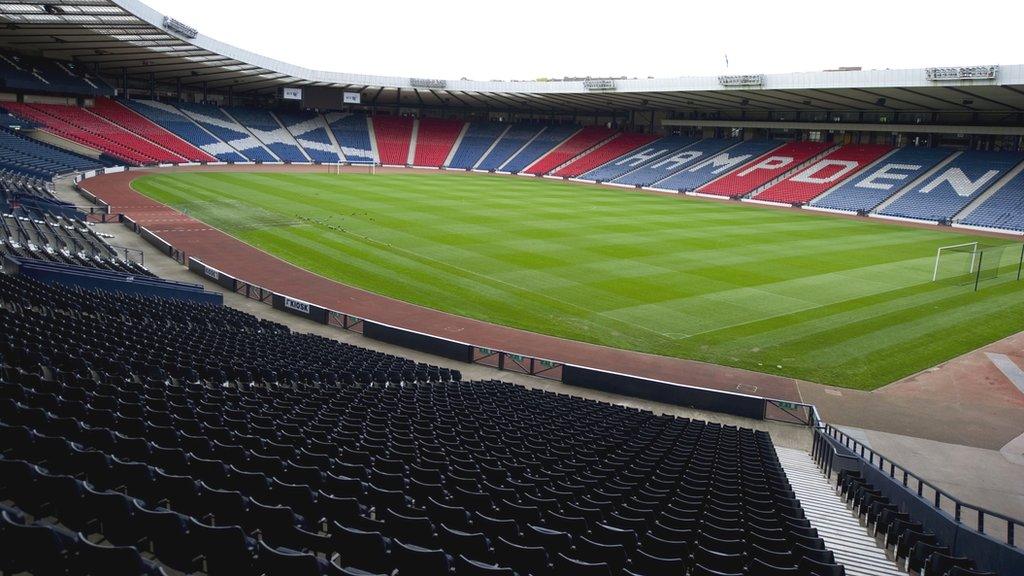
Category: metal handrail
<point>908,478</point>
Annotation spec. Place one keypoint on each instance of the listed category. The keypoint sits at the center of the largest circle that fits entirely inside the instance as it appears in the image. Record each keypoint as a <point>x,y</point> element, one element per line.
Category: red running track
<point>255,266</point>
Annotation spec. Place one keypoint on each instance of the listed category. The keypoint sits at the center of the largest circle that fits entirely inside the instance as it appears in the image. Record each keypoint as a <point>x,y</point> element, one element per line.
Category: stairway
<point>836,524</point>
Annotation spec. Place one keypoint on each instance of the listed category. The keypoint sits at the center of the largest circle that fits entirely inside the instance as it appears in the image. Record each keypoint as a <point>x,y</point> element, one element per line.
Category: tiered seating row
<point>870,188</point>
<point>580,142</point>
<point>435,138</point>
<point>954,186</point>
<point>266,129</point>
<point>478,139</point>
<point>394,136</point>
<point>130,120</point>
<point>37,159</point>
<point>621,144</point>
<point>175,121</point>
<point>633,160</point>
<point>353,135</point>
<point>688,171</point>
<point>86,128</point>
<point>517,136</point>
<point>548,139</point>
<point>61,240</point>
<point>223,127</point>
<point>310,131</point>
<point>1003,210</point>
<point>127,440</point>
<point>827,172</point>
<point>762,170</point>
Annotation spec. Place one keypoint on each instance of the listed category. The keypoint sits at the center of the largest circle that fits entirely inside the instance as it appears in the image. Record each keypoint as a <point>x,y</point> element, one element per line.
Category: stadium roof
<point>127,36</point>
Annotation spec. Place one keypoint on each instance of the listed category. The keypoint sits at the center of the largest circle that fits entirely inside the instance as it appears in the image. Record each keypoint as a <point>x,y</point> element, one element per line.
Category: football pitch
<point>846,302</point>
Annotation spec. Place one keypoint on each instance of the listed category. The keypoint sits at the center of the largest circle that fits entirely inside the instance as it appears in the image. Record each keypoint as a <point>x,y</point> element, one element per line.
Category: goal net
<point>352,167</point>
<point>968,264</point>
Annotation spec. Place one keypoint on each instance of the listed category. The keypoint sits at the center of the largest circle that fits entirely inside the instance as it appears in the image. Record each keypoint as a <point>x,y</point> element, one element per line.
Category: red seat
<point>763,169</point>
<point>435,139</point>
<point>130,120</point>
<point>84,127</point>
<point>393,135</point>
<point>621,144</point>
<point>826,173</point>
<point>574,146</point>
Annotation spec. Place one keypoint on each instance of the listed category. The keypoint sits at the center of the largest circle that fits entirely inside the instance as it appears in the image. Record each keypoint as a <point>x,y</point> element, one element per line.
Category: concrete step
<point>836,524</point>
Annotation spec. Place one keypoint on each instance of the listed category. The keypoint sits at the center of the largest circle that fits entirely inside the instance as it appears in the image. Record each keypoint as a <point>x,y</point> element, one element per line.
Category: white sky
<point>529,39</point>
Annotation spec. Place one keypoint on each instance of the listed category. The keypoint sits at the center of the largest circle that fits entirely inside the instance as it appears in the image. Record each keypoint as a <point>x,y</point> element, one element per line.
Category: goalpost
<point>969,248</point>
<point>972,262</point>
<point>359,167</point>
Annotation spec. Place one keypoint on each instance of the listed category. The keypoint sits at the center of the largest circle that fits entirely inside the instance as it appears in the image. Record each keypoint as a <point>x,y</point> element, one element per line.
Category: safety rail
<point>825,453</point>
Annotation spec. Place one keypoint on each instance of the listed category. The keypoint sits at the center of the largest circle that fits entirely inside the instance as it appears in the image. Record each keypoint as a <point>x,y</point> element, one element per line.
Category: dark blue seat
<point>225,549</point>
<point>40,549</point>
<point>96,560</point>
<point>525,560</point>
<point>284,562</point>
<point>167,534</point>
<point>410,559</point>
<point>361,549</point>
<point>567,565</point>
<point>467,567</point>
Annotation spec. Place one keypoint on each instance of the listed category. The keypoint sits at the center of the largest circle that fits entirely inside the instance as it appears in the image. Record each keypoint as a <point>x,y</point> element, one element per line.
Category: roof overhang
<point>118,37</point>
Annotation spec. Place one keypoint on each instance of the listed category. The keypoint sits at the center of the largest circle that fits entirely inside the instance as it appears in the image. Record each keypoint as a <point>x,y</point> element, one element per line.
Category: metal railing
<point>975,517</point>
<point>519,363</point>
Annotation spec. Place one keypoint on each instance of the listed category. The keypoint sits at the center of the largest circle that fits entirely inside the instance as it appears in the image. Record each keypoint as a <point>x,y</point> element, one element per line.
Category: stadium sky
<point>530,39</point>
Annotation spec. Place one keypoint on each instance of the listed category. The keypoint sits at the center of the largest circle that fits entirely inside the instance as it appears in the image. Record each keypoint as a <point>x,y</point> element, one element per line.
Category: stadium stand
<point>159,433</point>
<point>84,127</point>
<point>634,159</point>
<point>867,190</point>
<point>61,240</point>
<point>267,130</point>
<point>697,171</point>
<point>616,147</point>
<point>176,122</point>
<point>1003,210</point>
<point>435,138</point>
<point>234,134</point>
<point>310,131</point>
<point>19,72</point>
<point>22,194</point>
<point>550,138</point>
<point>665,158</point>
<point>130,120</point>
<point>11,122</point>
<point>580,142</point>
<point>952,188</point>
<point>479,138</point>
<point>763,170</point>
<point>353,136</point>
<point>514,139</point>
<point>34,158</point>
<point>834,168</point>
<point>394,136</point>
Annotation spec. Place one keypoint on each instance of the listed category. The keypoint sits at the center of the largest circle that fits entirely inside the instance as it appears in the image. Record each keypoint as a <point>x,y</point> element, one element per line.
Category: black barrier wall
<point>300,308</point>
<point>417,341</point>
<point>221,279</point>
<point>680,395</point>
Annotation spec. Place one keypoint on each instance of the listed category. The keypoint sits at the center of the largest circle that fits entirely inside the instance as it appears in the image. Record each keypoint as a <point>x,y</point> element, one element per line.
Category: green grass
<point>838,301</point>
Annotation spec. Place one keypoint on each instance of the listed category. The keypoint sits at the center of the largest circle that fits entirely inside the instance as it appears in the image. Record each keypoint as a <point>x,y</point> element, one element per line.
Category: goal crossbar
<point>336,167</point>
<point>938,256</point>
